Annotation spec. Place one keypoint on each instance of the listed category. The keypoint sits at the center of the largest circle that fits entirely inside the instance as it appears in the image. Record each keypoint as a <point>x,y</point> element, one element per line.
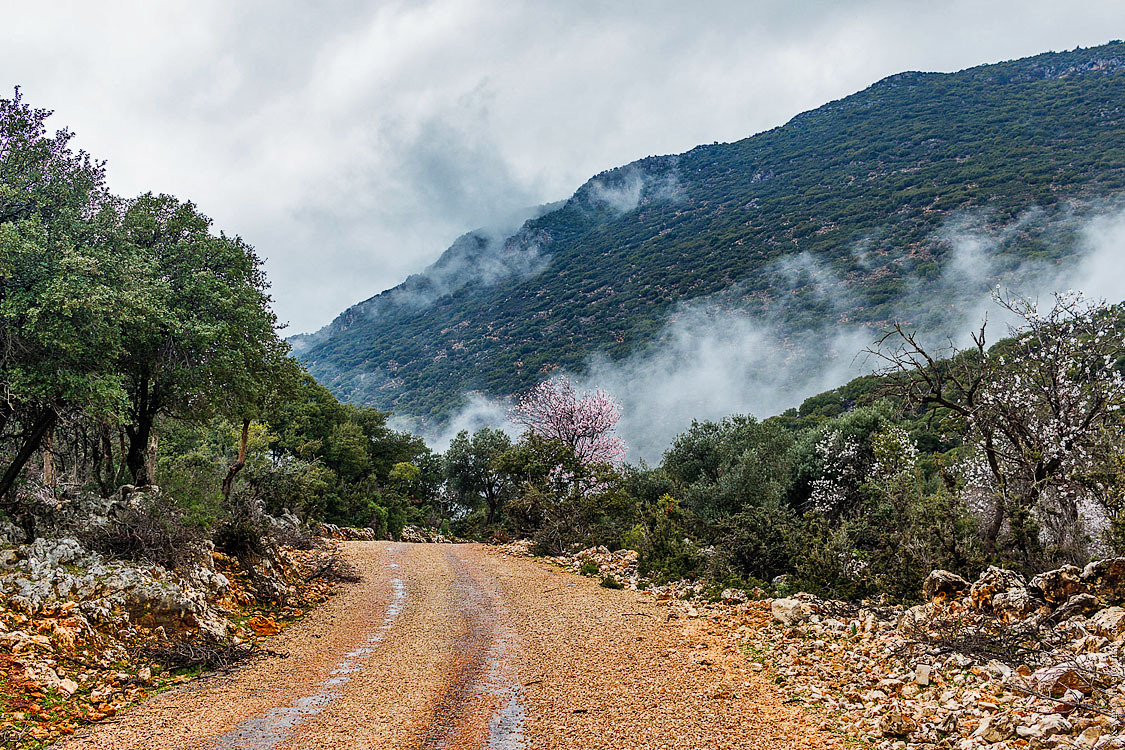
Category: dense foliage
<point>855,194</point>
<point>1008,453</point>
<point>138,346</point>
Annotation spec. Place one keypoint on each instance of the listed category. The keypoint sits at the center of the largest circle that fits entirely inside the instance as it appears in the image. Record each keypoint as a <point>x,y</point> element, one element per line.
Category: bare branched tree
<point>1042,410</point>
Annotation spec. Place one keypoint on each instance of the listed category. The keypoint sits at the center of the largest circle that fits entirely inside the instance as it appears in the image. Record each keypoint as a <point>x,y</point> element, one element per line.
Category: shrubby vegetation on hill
<point>856,191</point>
<point>1008,453</point>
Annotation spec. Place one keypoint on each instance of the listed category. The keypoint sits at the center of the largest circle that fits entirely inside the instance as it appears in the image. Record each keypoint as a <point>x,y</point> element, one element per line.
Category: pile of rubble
<point>347,533</point>
<point>517,548</point>
<point>415,534</point>
<point>1002,662</point>
<point>620,565</point>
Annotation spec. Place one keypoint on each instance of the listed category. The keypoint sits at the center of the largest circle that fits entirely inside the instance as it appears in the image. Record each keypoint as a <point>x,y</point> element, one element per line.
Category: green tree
<point>348,451</point>
<point>65,299</point>
<point>208,346</point>
<point>725,467</point>
<point>473,471</point>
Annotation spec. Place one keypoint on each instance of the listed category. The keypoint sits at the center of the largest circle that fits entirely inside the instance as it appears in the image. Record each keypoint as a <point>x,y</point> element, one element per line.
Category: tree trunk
<point>150,460</point>
<point>43,424</point>
<point>233,469</point>
<point>50,471</point>
<point>6,412</point>
<point>98,459</point>
<point>104,470</point>
<point>139,434</point>
<point>992,531</point>
<point>492,500</point>
<point>123,450</point>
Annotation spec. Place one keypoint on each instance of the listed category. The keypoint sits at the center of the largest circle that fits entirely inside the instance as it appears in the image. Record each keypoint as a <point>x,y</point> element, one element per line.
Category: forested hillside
<point>858,192</point>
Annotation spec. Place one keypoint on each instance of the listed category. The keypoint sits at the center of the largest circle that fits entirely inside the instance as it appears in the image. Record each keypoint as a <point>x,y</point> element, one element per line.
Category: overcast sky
<point>352,141</point>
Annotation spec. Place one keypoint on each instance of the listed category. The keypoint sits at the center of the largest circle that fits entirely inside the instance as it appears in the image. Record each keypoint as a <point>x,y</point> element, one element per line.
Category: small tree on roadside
<point>563,500</point>
<point>473,472</point>
<point>567,464</point>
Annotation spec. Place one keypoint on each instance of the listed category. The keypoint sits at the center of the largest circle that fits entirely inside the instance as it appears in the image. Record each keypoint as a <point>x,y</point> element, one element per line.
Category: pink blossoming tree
<point>583,422</point>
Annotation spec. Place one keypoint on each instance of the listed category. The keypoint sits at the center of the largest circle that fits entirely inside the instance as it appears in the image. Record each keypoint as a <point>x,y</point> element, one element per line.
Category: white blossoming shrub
<point>843,466</point>
<point>1042,420</point>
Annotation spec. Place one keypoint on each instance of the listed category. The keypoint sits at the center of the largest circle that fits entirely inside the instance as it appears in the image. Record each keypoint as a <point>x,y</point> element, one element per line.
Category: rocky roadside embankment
<point>1002,662</point>
<point>82,635</point>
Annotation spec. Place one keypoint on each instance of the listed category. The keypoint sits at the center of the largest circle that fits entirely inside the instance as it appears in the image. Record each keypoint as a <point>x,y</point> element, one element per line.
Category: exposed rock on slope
<point>82,636</point>
<point>1002,662</point>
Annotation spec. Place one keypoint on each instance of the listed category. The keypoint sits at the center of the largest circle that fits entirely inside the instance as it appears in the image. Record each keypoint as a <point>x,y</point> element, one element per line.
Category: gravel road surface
<point>458,646</point>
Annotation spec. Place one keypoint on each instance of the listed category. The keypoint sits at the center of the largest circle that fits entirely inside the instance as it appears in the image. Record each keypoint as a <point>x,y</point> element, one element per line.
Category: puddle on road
<point>498,683</point>
<point>266,732</point>
<point>506,725</point>
<point>505,730</point>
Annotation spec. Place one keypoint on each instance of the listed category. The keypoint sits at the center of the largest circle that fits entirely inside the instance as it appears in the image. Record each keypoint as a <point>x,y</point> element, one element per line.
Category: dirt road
<point>456,646</point>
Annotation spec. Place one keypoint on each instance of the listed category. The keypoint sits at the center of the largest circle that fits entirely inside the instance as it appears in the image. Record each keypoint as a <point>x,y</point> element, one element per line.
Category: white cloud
<point>352,142</point>
<point>712,361</point>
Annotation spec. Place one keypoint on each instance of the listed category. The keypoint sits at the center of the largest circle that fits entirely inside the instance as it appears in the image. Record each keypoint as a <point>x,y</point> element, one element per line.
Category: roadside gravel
<point>457,646</point>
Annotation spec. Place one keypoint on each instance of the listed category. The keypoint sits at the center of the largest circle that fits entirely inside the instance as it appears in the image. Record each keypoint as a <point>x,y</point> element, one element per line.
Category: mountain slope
<point>859,192</point>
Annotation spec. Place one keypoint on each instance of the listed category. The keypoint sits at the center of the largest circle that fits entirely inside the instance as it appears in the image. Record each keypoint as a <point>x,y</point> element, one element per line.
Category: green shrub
<point>665,552</point>
<point>378,519</point>
<point>192,482</point>
<point>609,582</point>
<point>589,569</point>
<point>244,531</point>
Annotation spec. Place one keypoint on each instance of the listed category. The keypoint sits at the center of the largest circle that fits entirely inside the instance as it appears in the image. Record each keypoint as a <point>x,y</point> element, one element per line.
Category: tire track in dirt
<point>462,648</point>
<point>268,731</point>
<point>479,704</point>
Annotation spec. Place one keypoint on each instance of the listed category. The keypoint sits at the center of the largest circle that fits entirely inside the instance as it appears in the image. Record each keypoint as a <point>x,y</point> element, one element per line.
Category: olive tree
<point>208,345</point>
<point>473,471</point>
<point>65,292</point>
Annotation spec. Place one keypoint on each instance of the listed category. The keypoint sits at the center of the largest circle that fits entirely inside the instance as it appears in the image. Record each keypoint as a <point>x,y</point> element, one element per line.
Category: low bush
<point>152,529</point>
